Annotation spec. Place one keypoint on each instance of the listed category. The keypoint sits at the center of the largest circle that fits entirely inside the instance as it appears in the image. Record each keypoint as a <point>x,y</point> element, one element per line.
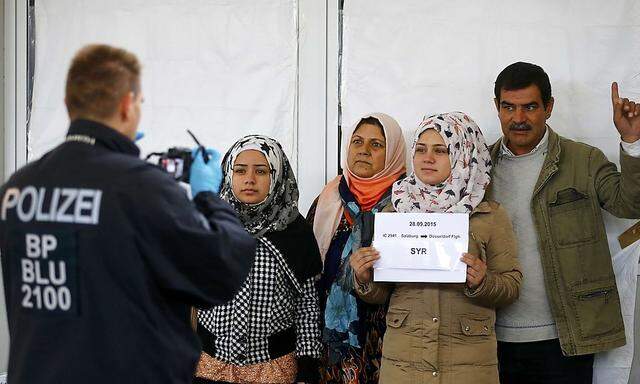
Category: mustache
<point>519,127</point>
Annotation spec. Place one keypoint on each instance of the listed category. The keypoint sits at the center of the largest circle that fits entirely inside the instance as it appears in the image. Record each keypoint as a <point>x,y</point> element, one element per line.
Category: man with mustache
<point>553,189</point>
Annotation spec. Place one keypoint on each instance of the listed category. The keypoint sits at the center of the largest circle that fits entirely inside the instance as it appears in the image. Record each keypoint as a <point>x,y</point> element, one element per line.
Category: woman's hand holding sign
<point>476,270</point>
<point>362,261</point>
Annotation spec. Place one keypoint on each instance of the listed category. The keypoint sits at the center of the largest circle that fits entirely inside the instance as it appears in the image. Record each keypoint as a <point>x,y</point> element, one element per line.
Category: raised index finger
<point>615,96</point>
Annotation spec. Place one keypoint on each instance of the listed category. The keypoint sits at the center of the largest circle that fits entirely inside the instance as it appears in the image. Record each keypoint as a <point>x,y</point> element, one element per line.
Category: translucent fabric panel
<point>221,68</point>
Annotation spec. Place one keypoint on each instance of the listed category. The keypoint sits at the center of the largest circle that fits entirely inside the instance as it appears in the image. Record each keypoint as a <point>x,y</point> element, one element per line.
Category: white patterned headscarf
<point>280,207</point>
<point>470,160</point>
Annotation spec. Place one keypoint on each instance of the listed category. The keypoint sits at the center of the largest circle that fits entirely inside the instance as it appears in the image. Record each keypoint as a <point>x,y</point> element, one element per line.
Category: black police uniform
<point>102,256</point>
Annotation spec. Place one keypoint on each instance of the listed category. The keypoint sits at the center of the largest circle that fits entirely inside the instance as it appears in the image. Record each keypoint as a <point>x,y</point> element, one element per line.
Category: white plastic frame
<point>15,86</point>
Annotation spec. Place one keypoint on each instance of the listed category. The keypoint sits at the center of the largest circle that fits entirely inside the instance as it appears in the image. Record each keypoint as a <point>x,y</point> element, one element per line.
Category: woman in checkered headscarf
<point>269,332</point>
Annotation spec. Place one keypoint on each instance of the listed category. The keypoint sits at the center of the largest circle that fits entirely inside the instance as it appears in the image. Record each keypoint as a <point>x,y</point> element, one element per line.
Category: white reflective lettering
<point>95,213</point>
<point>39,279</point>
<point>62,277</point>
<point>66,205</point>
<point>50,298</point>
<point>49,243</point>
<point>26,300</point>
<point>27,215</point>
<point>28,275</point>
<point>40,215</point>
<point>32,245</point>
<point>84,203</point>
<point>10,200</point>
<point>64,298</point>
<point>36,292</point>
<point>68,197</point>
<point>54,203</point>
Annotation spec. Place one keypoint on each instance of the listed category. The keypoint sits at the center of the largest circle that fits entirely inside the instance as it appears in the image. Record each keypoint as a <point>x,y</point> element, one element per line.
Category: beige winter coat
<point>444,333</point>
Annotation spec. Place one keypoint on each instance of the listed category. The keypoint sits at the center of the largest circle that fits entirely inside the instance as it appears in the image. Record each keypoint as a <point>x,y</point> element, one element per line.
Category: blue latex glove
<point>205,175</point>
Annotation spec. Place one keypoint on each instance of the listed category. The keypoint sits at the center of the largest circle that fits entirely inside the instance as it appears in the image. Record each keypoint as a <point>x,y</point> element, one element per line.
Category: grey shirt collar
<point>542,146</point>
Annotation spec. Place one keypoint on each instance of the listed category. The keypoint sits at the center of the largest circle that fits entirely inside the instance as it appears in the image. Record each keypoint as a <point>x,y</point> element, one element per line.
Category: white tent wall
<point>220,68</point>
<point>410,58</point>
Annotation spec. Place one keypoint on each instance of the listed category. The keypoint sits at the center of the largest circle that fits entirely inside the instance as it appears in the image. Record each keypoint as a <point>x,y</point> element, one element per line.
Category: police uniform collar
<point>92,132</point>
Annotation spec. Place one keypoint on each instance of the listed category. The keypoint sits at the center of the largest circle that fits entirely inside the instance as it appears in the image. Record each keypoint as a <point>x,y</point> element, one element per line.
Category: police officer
<point>103,254</point>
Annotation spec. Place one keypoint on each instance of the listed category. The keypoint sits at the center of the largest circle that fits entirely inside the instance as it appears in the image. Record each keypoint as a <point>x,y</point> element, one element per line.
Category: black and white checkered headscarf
<point>280,208</point>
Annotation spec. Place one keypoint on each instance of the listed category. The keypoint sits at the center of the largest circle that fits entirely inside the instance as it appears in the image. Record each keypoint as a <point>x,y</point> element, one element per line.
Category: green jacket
<point>577,180</point>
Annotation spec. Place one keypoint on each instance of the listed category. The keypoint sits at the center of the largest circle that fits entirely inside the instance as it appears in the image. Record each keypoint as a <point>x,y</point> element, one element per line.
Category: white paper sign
<point>421,247</point>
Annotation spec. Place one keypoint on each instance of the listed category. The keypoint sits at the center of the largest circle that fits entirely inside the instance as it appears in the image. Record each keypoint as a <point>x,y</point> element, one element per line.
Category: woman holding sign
<point>342,219</point>
<point>447,330</point>
<point>269,332</point>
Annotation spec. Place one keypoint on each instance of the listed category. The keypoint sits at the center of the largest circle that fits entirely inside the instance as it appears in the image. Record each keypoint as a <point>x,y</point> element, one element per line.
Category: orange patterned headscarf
<point>367,191</point>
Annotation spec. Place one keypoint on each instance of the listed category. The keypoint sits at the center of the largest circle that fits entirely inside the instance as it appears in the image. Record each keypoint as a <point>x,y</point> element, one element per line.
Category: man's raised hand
<point>626,116</point>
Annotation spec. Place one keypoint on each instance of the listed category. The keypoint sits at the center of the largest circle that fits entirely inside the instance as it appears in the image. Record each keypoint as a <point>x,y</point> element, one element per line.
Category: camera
<point>177,160</point>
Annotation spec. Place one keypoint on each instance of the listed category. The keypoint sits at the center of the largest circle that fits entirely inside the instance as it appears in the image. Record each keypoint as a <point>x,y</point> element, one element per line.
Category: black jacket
<point>102,255</point>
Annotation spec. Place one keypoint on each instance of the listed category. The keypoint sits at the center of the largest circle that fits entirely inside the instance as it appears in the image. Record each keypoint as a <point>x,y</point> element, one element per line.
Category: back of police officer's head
<point>103,85</point>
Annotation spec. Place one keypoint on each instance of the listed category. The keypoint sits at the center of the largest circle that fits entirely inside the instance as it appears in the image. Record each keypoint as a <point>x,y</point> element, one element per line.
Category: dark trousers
<point>542,362</point>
